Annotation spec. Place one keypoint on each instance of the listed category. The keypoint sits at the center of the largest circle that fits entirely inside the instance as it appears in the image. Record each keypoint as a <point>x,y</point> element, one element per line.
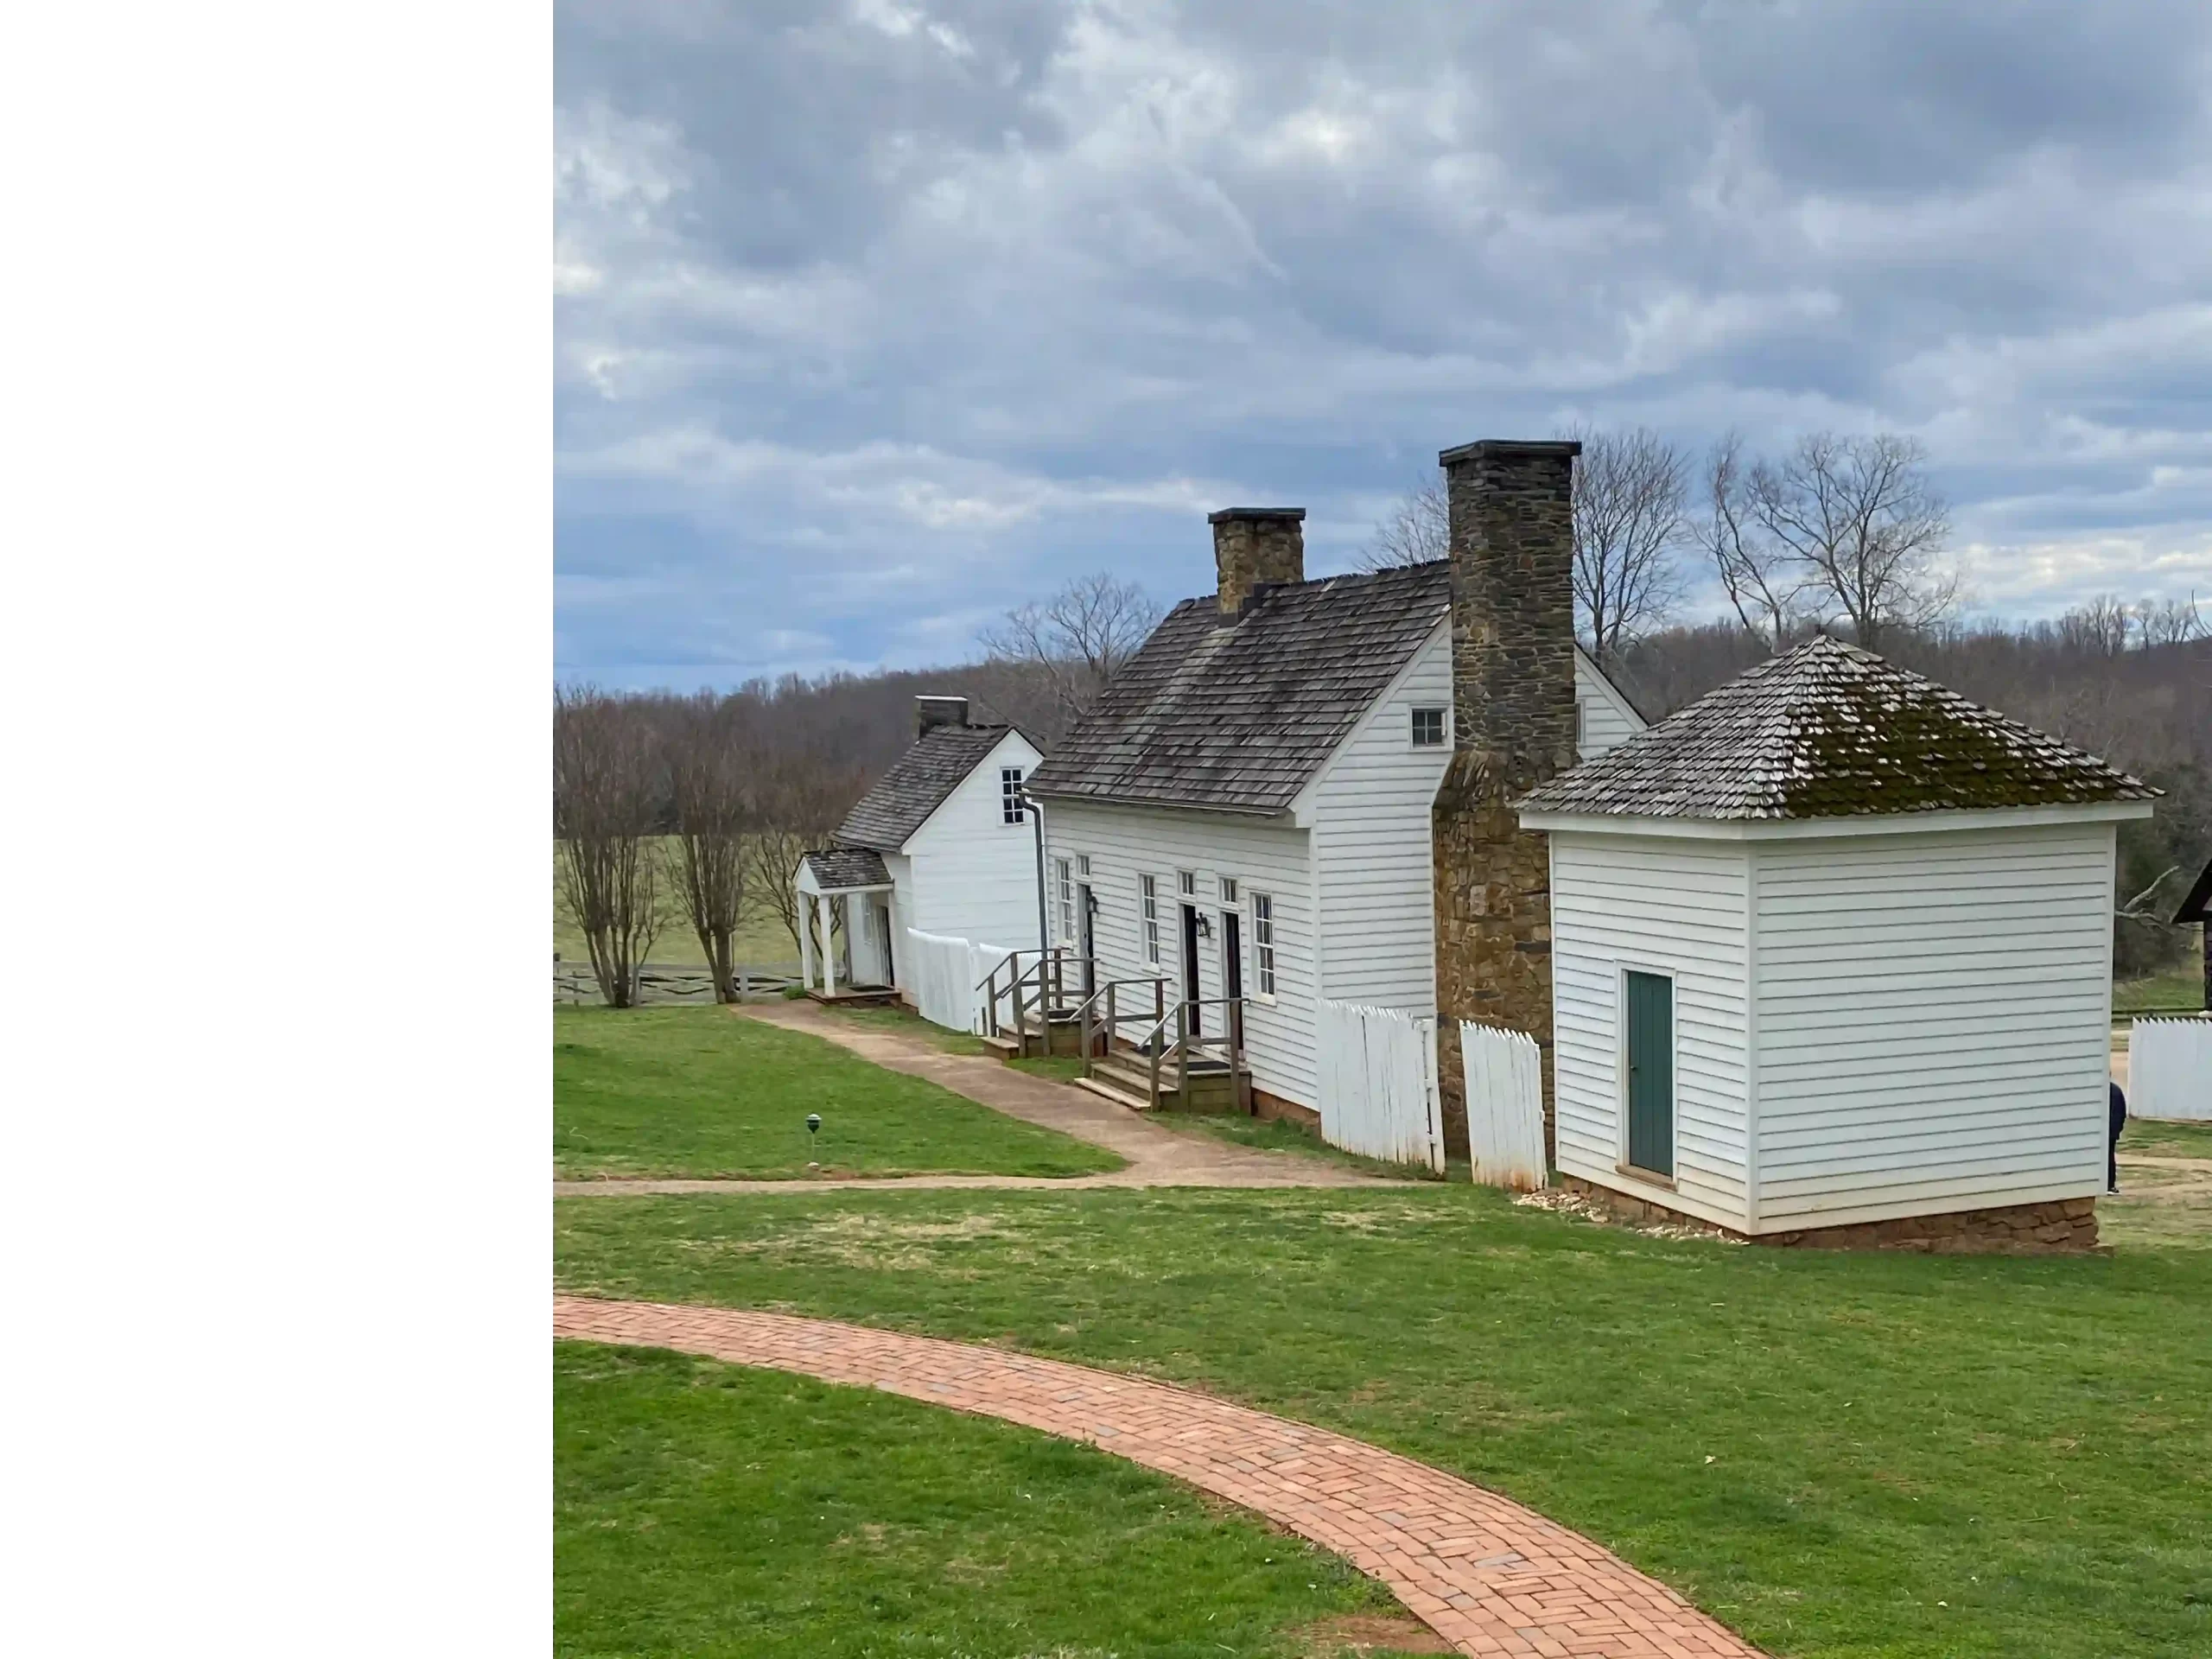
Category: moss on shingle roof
<point>1825,731</point>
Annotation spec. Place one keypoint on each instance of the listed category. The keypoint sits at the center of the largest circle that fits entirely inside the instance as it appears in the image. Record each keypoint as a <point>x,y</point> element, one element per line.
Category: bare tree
<point>710,774</point>
<point>801,799</point>
<point>2101,628</point>
<point>606,796</point>
<point>1079,639</point>
<point>1416,530</point>
<point>1866,529</point>
<point>1632,491</point>
<point>2170,621</point>
<point>1760,578</point>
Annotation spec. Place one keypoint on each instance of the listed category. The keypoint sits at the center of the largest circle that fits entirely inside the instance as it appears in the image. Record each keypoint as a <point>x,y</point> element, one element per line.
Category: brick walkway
<point>1489,1576</point>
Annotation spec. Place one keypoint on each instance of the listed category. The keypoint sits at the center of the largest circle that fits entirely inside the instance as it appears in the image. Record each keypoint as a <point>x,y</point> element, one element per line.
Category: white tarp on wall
<point>2169,1067</point>
<point>1378,1084</point>
<point>941,974</point>
<point>1505,1106</point>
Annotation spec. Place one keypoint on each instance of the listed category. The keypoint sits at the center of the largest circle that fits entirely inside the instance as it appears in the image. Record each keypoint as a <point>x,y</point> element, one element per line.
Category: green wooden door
<point>1651,1072</point>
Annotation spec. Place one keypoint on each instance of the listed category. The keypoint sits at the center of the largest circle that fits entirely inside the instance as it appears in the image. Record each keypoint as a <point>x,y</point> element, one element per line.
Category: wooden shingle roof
<point>837,868</point>
<point>1236,715</point>
<point>902,800</point>
<point>1829,730</point>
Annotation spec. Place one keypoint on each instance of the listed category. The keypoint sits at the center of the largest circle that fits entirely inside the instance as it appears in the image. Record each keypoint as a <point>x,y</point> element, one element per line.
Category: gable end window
<point>1012,804</point>
<point>1428,728</point>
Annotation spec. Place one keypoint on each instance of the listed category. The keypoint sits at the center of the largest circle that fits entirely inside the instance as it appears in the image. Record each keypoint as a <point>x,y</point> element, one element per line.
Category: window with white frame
<point>1063,876</point>
<point>1263,943</point>
<point>1148,909</point>
<point>1581,722</point>
<point>1083,865</point>
<point>1187,881</point>
<point>1428,728</point>
<point>1011,802</point>
<point>1228,889</point>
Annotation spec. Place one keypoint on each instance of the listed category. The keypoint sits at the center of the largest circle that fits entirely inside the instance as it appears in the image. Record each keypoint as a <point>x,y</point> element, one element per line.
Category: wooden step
<point>1106,1090</point>
<point>1006,1048</point>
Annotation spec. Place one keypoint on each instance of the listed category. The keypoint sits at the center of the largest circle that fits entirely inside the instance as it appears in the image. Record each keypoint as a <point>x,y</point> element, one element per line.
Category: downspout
<point>1044,941</point>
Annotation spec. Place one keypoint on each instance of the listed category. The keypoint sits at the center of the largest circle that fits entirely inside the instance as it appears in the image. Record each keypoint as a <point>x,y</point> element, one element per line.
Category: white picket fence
<point>941,973</point>
<point>1378,1084</point>
<point>2169,1067</point>
<point>1505,1073</point>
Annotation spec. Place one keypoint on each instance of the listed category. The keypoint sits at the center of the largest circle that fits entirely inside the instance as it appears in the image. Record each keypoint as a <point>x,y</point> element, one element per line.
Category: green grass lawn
<point>2167,1139</point>
<point>2183,988</point>
<point>1841,1454</point>
<point>704,1510</point>
<point>701,1093</point>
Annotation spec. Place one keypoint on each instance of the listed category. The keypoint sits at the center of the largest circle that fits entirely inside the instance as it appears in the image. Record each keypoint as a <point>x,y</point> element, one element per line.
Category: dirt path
<point>1156,1156</point>
<point>1488,1575</point>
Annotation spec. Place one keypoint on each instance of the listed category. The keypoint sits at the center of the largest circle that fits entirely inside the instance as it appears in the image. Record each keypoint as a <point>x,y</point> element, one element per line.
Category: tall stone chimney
<point>1512,726</point>
<point>936,709</point>
<point>1256,546</point>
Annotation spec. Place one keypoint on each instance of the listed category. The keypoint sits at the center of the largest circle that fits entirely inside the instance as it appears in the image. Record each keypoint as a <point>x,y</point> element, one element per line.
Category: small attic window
<point>1010,801</point>
<point>1428,728</point>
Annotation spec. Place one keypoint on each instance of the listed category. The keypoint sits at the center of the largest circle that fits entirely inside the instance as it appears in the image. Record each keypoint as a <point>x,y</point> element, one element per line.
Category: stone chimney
<point>1512,726</point>
<point>938,711</point>
<point>1256,547</point>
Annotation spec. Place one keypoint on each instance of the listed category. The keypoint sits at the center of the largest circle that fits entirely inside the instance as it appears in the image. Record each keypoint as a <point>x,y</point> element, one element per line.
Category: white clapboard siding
<point>2169,1067</point>
<point>1369,812</point>
<point>1933,1020</point>
<point>1608,719</point>
<point>1378,1084</point>
<point>1261,856</point>
<point>1504,1073</point>
<point>972,874</point>
<point>1666,906</point>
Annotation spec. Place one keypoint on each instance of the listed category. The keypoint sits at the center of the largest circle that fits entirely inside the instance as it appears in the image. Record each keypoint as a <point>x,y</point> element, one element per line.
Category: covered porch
<point>845,927</point>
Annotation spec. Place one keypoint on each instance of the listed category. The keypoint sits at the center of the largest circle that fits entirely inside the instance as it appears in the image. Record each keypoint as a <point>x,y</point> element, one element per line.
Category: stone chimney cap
<point>1230,514</point>
<point>1484,447</point>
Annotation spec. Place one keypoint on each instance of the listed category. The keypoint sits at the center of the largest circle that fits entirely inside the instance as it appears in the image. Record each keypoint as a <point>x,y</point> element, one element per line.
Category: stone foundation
<point>2060,1224</point>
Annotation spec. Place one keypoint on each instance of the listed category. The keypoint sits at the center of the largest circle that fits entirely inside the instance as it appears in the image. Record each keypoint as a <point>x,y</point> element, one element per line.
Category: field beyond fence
<point>660,983</point>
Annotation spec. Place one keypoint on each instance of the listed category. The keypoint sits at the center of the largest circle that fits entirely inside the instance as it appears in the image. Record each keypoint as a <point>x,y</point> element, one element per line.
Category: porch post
<point>805,940</point>
<point>828,946</point>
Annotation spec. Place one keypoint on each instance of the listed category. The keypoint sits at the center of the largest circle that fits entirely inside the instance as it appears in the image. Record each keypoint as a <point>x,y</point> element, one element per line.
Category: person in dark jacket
<point>2112,1149</point>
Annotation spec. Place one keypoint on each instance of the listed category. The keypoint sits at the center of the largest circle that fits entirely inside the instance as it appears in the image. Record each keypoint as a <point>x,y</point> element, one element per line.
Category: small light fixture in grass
<point>813,1128</point>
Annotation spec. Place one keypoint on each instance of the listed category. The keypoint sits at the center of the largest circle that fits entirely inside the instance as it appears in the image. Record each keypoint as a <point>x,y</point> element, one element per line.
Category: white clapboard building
<point>1831,947</point>
<point>945,843</point>
<point>1247,814</point>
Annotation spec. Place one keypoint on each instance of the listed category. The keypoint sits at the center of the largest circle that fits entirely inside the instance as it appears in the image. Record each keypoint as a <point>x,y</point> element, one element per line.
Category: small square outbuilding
<point>1832,949</point>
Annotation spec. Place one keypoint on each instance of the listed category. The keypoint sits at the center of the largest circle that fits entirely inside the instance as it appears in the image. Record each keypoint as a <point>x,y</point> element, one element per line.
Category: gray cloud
<point>875,318</point>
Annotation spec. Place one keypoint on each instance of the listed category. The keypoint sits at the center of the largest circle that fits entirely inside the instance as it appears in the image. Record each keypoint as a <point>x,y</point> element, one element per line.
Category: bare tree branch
<point>2134,911</point>
<point>709,769</point>
<point>800,800</point>
<point>1632,492</point>
<point>1417,530</point>
<point>1079,639</point>
<point>1865,528</point>
<point>1760,579</point>
<point>605,796</point>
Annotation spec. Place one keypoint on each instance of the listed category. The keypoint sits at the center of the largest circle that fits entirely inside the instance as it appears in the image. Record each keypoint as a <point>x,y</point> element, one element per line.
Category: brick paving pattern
<point>1488,1575</point>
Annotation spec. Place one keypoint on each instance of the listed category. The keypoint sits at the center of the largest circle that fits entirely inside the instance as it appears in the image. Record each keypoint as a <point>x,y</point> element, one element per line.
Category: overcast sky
<point>876,317</point>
